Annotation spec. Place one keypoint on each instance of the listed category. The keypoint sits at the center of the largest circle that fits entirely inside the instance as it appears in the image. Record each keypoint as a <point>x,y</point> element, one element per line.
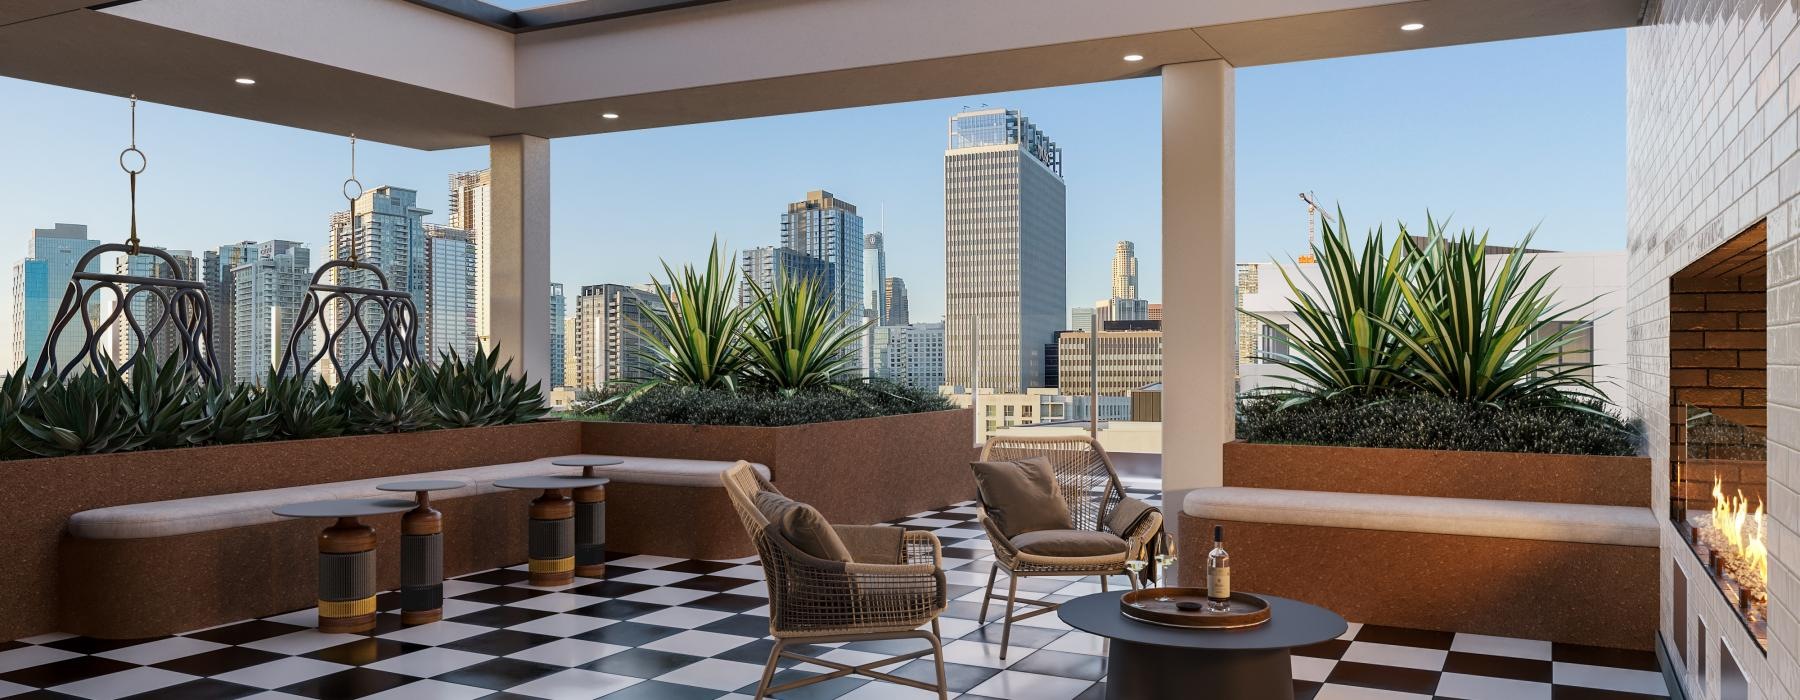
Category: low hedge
<point>1430,422</point>
<point>848,401</point>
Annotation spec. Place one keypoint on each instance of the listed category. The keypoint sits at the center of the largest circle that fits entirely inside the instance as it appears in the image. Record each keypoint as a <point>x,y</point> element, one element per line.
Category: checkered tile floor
<point>676,629</point>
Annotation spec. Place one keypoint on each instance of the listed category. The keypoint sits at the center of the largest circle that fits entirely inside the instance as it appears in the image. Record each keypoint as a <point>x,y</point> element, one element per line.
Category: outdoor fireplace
<point>1718,456</point>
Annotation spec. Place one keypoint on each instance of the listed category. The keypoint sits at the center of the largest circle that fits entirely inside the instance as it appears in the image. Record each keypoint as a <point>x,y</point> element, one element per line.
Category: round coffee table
<point>1253,663</point>
<point>587,463</point>
<point>422,552</point>
<point>558,546</point>
<point>346,559</point>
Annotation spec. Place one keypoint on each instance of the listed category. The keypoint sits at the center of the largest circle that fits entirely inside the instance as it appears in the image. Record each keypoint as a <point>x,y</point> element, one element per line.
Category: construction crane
<point>1312,212</point>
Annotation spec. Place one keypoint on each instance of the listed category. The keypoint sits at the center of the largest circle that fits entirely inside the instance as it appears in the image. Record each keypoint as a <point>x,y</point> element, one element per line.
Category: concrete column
<point>1199,269</point>
<point>519,233</point>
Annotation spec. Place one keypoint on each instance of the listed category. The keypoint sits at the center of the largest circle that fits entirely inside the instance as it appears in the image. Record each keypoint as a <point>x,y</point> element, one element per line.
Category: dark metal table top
<point>587,461</point>
<point>551,482</point>
<point>348,508</point>
<point>1291,624</point>
<point>423,485</point>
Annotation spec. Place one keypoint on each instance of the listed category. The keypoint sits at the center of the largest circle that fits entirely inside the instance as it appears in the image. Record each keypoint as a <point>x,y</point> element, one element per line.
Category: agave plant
<point>1347,338</point>
<point>696,338</point>
<point>163,401</point>
<point>800,340</point>
<point>300,408</point>
<point>89,413</point>
<point>478,391</point>
<point>12,403</point>
<point>385,402</point>
<point>234,413</point>
<point>1487,336</point>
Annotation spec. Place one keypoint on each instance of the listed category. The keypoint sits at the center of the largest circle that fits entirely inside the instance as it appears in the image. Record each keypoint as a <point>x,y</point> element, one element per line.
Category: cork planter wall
<point>855,471</point>
<point>1503,476</point>
<point>41,494</point>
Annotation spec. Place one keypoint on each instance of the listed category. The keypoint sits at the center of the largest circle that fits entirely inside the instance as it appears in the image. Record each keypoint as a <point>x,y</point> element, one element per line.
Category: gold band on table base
<point>551,572</point>
<point>344,616</point>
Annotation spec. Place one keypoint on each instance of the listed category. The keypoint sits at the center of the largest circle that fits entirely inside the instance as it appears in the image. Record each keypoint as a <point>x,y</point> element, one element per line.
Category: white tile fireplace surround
<point>1711,111</point>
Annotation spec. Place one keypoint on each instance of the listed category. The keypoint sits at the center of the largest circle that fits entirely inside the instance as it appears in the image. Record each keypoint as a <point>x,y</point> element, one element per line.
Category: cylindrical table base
<point>551,541</point>
<point>347,577</point>
<point>590,532</point>
<point>1145,671</point>
<point>421,565</point>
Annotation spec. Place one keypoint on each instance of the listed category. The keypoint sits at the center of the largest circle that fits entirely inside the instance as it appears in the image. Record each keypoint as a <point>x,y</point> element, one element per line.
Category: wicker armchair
<point>815,601</point>
<point>1090,486</point>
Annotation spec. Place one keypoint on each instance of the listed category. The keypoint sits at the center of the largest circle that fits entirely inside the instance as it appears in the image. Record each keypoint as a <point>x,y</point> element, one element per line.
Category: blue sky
<point>1504,136</point>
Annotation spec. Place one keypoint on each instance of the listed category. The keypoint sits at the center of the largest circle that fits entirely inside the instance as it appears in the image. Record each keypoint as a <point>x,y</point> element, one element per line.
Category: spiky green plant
<point>300,408</point>
<point>232,413</point>
<point>1487,335</point>
<point>1346,339</point>
<point>696,338</point>
<point>799,339</point>
<point>163,399</point>
<point>89,413</point>
<point>12,402</point>
<point>385,402</point>
<point>478,391</point>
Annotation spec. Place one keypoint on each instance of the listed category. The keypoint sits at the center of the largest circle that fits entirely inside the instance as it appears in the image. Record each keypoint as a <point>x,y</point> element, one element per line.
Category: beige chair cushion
<point>873,544</point>
<point>1020,495</point>
<point>802,526</point>
<point>1069,543</point>
<point>1524,520</point>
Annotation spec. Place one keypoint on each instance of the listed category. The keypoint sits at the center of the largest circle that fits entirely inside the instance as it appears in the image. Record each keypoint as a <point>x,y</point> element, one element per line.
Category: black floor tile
<point>349,683</point>
<point>498,577</point>
<point>610,589</point>
<point>219,661</point>
<point>501,616</point>
<point>1023,636</point>
<point>1534,670</point>
<point>1604,656</point>
<point>1569,692</point>
<point>499,642</point>
<point>697,566</point>
<point>1428,639</point>
<point>716,584</point>
<point>500,595</point>
<point>202,689</point>
<point>1405,680</point>
<point>245,632</point>
<point>740,625</point>
<point>364,651</point>
<point>728,602</point>
<point>617,609</point>
<point>90,645</point>
<point>499,674</point>
<point>66,671</point>
<point>1328,649</point>
<point>959,677</point>
<point>658,690</point>
<point>630,634</point>
<point>828,690</point>
<point>1064,664</point>
<point>640,663</point>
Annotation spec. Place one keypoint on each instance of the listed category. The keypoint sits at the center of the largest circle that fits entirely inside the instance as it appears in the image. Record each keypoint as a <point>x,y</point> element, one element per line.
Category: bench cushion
<point>207,513</point>
<point>1557,522</point>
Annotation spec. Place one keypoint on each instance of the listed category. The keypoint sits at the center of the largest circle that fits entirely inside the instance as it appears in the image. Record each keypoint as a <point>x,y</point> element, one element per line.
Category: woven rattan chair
<point>814,601</point>
<point>1090,486</point>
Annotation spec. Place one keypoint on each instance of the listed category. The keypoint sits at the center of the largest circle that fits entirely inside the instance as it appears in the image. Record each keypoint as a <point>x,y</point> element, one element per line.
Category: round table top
<point>1291,624</point>
<point>587,461</point>
<point>423,485</point>
<point>349,508</point>
<point>551,482</point>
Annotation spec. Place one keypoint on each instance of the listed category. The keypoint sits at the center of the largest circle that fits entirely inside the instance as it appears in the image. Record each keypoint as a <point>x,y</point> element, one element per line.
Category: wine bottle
<point>1218,572</point>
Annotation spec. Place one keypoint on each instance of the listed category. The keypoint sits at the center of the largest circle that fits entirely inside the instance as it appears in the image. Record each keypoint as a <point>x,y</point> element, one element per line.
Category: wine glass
<point>1136,567</point>
<point>1164,562</point>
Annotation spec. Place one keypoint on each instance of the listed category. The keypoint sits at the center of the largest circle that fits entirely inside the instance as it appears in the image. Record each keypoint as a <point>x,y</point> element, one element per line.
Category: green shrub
<point>477,391</point>
<point>302,408</point>
<point>90,413</point>
<point>687,405</point>
<point>1427,421</point>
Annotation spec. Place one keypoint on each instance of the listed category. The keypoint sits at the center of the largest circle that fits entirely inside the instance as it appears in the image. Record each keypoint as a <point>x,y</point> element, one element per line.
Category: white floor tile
<point>426,663</point>
<point>161,650</point>
<point>26,657</point>
<point>455,587</point>
<point>1627,680</point>
<point>645,561</point>
<point>1307,668</point>
<point>1350,692</point>
<point>275,695</point>
<point>1018,684</point>
<point>431,690</point>
<point>1350,633</point>
<point>717,674</point>
<point>697,643</point>
<point>442,632</point>
<point>308,617</point>
<point>667,596</point>
<point>8,690</point>
<point>759,589</point>
<point>930,522</point>
<point>304,641</point>
<point>953,627</point>
<point>574,684</point>
<point>1501,646</point>
<point>567,652</point>
<point>558,602</point>
<point>47,638</point>
<point>1395,655</point>
<point>1079,642</point>
<point>454,607</point>
<point>745,571</point>
<point>888,691</point>
<point>1465,687</point>
<point>982,654</point>
<point>655,578</point>
<point>561,625</point>
<point>283,672</point>
<point>142,679</point>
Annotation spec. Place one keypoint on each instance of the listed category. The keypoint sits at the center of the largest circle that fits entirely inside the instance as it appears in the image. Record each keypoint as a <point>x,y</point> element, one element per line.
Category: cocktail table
<point>346,559</point>
<point>1252,663</point>
<point>422,552</point>
<point>590,515</point>
<point>552,540</point>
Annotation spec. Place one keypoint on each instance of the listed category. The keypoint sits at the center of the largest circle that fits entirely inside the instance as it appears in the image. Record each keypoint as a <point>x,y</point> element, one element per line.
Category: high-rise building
<point>164,338</point>
<point>38,283</point>
<point>874,276</point>
<point>267,292</point>
<point>911,354</point>
<point>1127,360</point>
<point>895,311</point>
<point>1082,318</point>
<point>1153,312</point>
<point>447,312</point>
<point>558,349</point>
<point>215,271</point>
<point>1125,271</point>
<point>762,266</point>
<point>828,229</point>
<point>605,347</point>
<point>1005,262</point>
<point>389,233</point>
<point>469,196</point>
<point>1121,309</point>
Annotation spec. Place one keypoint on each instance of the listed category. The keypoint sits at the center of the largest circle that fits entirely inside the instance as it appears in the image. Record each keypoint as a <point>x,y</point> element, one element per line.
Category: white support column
<point>1199,269</point>
<point>519,236</point>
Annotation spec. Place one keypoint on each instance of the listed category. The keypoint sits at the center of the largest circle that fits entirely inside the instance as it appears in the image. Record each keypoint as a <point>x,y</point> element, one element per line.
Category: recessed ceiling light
<point>1134,58</point>
<point>609,115</point>
<point>246,81</point>
<point>1411,27</point>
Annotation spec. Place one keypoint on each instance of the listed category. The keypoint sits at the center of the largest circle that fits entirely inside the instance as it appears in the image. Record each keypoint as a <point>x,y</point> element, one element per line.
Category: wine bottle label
<point>1218,583</point>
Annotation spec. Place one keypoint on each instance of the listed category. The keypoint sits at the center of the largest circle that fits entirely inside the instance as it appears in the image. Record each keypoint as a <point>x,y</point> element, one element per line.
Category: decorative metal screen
<point>167,313</point>
<point>381,325</point>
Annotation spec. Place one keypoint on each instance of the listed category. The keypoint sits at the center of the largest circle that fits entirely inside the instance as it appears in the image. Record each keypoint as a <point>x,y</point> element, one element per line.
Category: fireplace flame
<point>1743,531</point>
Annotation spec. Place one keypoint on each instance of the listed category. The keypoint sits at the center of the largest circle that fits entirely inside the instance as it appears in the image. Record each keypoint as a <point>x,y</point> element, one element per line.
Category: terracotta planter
<point>1504,476</point>
<point>855,471</point>
<point>41,494</point>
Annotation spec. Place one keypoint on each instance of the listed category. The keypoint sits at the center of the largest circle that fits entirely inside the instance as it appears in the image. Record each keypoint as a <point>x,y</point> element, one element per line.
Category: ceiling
<point>437,74</point>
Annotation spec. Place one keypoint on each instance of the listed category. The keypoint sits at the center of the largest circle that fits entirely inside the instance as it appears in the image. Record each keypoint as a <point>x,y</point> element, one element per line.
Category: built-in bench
<point>1574,573</point>
<point>155,568</point>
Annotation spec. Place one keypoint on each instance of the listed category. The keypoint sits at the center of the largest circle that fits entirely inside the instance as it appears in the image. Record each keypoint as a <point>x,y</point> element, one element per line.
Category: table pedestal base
<point>590,532</point>
<point>347,577</point>
<point>1135,671</point>
<point>551,540</point>
<point>422,564</point>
